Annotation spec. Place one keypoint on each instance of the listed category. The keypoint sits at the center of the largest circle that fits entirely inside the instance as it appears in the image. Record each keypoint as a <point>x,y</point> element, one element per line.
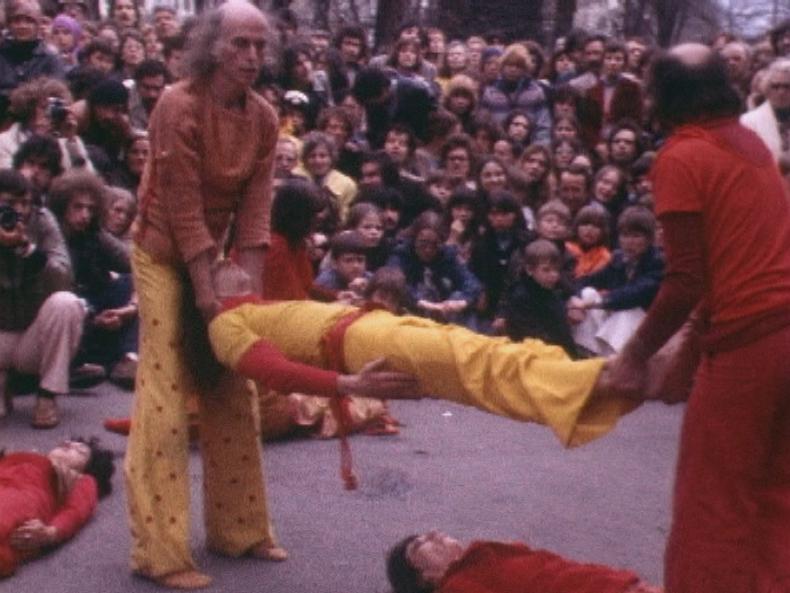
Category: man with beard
<point>107,132</point>
<point>149,82</point>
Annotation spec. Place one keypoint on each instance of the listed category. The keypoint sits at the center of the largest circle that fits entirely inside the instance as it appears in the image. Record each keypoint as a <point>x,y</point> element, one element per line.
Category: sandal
<point>46,413</point>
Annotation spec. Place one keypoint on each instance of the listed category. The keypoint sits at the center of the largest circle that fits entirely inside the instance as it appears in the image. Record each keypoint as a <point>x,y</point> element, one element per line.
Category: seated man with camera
<point>40,320</point>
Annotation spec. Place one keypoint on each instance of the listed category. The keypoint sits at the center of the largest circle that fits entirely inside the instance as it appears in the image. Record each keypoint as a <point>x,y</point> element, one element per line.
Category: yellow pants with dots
<point>157,460</point>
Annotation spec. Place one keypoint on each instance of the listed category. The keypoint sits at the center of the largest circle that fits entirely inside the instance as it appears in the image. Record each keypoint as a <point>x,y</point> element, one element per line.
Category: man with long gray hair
<point>212,160</point>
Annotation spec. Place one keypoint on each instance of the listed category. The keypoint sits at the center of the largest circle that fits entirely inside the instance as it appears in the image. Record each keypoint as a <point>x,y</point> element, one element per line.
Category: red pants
<point>731,518</point>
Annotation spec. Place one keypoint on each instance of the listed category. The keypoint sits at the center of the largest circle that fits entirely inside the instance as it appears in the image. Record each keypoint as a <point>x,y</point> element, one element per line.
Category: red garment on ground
<point>497,567</point>
<point>287,272</point>
<point>28,490</point>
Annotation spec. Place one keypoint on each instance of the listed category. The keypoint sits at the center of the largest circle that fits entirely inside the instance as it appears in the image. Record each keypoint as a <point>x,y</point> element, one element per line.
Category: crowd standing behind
<point>507,181</point>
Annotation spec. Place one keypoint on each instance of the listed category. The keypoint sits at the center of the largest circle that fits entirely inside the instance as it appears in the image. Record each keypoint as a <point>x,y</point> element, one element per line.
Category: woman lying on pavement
<point>46,499</point>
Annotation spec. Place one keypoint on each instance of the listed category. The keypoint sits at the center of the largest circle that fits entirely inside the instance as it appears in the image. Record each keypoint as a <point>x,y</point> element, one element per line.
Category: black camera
<point>57,111</point>
<point>8,218</point>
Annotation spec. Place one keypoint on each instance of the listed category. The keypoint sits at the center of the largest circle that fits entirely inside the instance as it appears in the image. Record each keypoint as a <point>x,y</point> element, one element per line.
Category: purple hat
<point>64,21</point>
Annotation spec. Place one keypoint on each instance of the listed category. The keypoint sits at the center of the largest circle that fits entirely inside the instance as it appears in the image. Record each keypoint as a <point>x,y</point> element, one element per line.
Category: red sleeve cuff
<point>267,365</point>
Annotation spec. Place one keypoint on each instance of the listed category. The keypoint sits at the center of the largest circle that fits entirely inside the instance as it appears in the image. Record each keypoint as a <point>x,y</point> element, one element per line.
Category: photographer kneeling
<point>40,321</point>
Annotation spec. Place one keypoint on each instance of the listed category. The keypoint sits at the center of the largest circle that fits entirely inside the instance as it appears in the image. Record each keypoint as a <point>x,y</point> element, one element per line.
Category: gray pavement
<point>453,468</point>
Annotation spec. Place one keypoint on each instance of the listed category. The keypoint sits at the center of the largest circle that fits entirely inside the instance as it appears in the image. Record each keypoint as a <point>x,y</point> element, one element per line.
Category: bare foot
<point>187,579</point>
<point>266,551</point>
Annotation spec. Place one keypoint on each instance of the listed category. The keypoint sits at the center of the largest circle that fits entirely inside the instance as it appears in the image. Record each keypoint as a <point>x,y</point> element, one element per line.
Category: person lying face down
<point>332,349</point>
<point>435,562</point>
<point>46,499</point>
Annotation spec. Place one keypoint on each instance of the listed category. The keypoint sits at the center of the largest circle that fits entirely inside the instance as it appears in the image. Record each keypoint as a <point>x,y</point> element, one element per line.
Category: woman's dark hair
<point>388,170</point>
<point>401,574</point>
<point>293,209</point>
<point>289,60</point>
<point>384,197</point>
<point>101,465</point>
<point>683,93</point>
<point>402,44</point>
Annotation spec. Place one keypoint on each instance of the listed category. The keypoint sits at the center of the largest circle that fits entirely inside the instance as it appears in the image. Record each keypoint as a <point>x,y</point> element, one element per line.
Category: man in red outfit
<point>726,222</point>
<point>435,562</point>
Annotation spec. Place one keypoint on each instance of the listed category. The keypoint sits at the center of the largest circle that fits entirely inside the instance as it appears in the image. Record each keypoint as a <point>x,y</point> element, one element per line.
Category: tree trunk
<point>669,14</point>
<point>389,16</point>
<point>563,22</point>
<point>455,17</point>
<point>321,14</point>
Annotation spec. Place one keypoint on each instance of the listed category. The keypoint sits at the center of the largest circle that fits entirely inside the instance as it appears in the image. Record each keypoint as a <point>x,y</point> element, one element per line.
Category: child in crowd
<point>534,306</point>
<point>612,302</point>
<point>346,276</point>
<point>440,186</point>
<point>366,219</point>
<point>461,218</point>
<point>590,244</point>
<point>553,223</point>
<point>504,233</point>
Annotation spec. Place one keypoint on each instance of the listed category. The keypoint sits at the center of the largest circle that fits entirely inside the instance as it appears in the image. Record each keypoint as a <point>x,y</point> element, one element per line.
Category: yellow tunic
<point>528,381</point>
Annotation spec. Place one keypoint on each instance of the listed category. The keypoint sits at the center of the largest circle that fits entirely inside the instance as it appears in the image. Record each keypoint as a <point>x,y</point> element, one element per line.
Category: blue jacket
<point>449,279</point>
<point>628,286</point>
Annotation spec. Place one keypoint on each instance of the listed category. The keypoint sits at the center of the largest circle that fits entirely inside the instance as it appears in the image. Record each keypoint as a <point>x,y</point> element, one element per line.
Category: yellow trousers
<point>157,459</point>
<point>528,381</point>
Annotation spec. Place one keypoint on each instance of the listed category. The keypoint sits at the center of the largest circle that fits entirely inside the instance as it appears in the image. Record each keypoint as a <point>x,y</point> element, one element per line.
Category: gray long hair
<point>200,60</point>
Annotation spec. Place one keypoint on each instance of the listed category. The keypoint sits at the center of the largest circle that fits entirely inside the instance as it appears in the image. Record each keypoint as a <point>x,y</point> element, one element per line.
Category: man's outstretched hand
<point>375,380</point>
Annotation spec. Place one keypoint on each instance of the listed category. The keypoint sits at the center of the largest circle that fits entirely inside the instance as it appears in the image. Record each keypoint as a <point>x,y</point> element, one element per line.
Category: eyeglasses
<point>780,86</point>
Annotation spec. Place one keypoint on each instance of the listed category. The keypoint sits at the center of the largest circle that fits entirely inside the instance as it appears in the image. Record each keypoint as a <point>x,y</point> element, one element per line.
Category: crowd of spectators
<point>508,182</point>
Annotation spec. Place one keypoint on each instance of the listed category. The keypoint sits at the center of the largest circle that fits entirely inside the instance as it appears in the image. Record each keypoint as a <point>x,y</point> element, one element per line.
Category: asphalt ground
<point>471,474</point>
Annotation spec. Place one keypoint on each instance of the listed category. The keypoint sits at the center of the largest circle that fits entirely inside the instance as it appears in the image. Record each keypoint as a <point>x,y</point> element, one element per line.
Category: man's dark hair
<point>387,169</point>
<point>401,574</point>
<point>354,32</point>
<point>369,84</point>
<point>43,150</point>
<point>82,79</point>
<point>150,68</point>
<point>347,242</point>
<point>777,33</point>
<point>637,219</point>
<point>614,46</point>
<point>684,93</point>
<point>101,465</point>
<point>14,183</point>
<point>631,125</point>
<point>295,204</point>
<point>403,129</point>
<point>175,43</point>
<point>384,197</point>
<point>96,45</point>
